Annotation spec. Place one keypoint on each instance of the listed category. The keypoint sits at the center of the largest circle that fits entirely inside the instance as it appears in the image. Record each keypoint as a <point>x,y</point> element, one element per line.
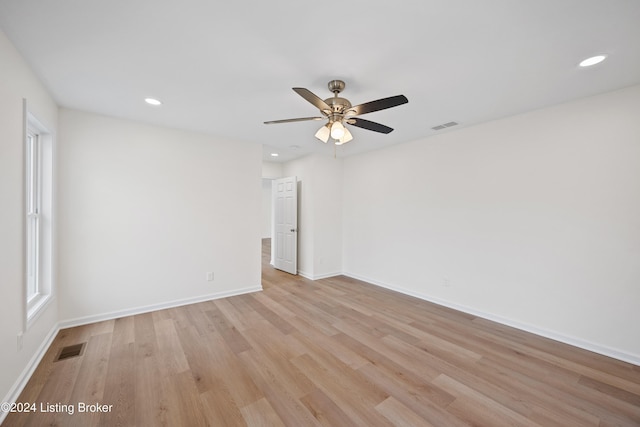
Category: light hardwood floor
<point>334,352</point>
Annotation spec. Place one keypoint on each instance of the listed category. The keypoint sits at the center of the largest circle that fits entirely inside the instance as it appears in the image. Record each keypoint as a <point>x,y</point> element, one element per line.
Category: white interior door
<point>285,218</point>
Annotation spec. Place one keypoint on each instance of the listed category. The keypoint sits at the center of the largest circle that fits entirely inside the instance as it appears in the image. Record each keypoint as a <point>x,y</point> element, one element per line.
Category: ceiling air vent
<point>71,351</point>
<point>444,126</point>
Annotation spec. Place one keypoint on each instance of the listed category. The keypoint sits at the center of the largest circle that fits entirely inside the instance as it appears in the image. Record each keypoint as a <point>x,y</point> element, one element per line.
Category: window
<point>34,202</point>
<point>38,153</point>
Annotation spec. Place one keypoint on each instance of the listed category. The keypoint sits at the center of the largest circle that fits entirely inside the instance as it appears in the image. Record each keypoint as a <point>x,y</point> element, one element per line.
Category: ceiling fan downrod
<point>336,86</point>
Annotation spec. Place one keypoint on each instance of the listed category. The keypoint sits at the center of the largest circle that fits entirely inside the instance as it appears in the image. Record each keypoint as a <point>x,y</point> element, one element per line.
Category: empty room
<point>421,213</point>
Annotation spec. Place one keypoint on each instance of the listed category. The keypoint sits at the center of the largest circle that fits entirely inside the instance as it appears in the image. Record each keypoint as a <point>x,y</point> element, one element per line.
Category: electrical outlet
<point>210,276</point>
<point>20,339</point>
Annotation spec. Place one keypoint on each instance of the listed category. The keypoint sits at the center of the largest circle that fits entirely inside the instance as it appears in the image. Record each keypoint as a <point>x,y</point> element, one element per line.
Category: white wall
<point>17,82</point>
<point>270,171</point>
<point>303,170</point>
<point>319,214</point>
<point>327,201</point>
<point>267,214</point>
<point>533,220</point>
<point>147,211</point>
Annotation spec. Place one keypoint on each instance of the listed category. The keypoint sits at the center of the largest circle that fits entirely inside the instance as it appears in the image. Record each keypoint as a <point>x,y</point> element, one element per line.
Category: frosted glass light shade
<point>337,130</point>
<point>345,138</point>
<point>323,134</point>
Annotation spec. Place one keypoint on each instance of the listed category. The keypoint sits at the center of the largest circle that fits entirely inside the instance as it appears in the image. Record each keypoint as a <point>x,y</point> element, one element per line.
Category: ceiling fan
<point>339,111</point>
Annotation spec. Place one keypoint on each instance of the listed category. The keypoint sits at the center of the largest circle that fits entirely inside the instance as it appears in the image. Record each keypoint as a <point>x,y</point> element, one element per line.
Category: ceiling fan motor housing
<point>338,105</point>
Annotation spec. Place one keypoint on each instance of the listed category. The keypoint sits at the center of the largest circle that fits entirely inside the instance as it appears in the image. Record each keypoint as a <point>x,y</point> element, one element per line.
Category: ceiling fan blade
<point>380,104</point>
<point>369,125</point>
<point>301,119</point>
<point>312,98</point>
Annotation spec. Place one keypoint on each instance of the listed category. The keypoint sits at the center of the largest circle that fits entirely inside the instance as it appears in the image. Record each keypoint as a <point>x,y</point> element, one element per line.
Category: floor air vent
<point>71,351</point>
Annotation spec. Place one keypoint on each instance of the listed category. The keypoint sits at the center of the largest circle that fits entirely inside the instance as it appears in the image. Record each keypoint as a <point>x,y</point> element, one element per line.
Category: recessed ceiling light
<point>593,60</point>
<point>274,154</point>
<point>152,101</point>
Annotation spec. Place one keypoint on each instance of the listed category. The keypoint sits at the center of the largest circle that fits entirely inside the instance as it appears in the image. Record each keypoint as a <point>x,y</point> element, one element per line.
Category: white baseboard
<point>556,336</point>
<point>318,276</point>
<point>305,274</point>
<point>327,275</point>
<point>24,377</point>
<point>154,307</point>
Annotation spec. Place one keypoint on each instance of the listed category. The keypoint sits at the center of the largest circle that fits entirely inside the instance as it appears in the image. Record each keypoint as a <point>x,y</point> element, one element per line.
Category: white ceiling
<point>224,67</point>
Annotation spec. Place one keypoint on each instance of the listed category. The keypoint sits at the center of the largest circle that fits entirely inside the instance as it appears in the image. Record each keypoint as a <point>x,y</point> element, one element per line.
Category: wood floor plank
<point>324,409</point>
<point>149,402</point>
<point>233,311</point>
<point>609,390</point>
<point>220,409</point>
<point>273,305</point>
<point>276,360</point>
<point>261,414</point>
<point>515,390</point>
<point>279,394</point>
<point>145,336</point>
<point>400,415</point>
<point>345,354</point>
<point>562,391</point>
<point>57,389</point>
<point>423,398</point>
<point>230,333</point>
<point>123,331</point>
<point>199,319</point>
<point>119,389</point>
<point>340,374</point>
<point>231,374</point>
<point>358,406</point>
<point>183,404</point>
<point>330,352</point>
<point>89,385</point>
<point>197,354</point>
<point>170,351</point>
<point>269,315</point>
<point>479,408</point>
<point>416,366</point>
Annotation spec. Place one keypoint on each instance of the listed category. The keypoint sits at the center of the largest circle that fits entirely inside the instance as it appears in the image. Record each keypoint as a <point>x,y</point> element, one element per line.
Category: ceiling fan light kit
<point>346,137</point>
<point>338,112</point>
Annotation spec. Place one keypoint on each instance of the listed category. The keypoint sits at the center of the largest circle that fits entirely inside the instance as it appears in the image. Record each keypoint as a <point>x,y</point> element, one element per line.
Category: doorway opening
<point>280,222</point>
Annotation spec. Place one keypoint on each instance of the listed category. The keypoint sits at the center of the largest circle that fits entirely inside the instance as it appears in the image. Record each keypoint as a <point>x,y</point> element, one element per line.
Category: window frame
<point>38,152</point>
